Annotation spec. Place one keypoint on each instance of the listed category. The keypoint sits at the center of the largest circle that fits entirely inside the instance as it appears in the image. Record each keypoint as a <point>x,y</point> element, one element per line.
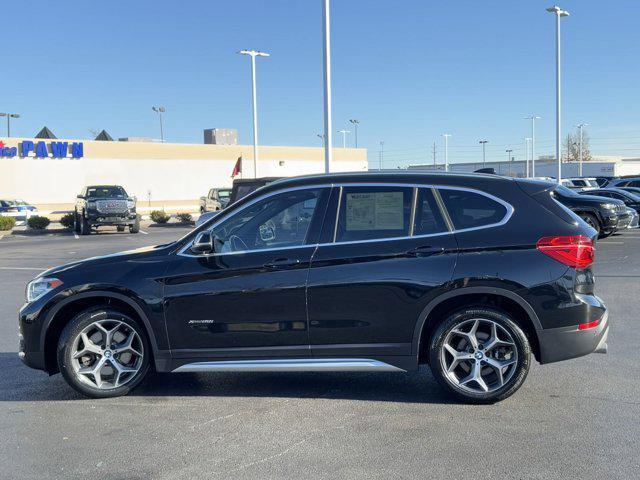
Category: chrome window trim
<point>510,210</point>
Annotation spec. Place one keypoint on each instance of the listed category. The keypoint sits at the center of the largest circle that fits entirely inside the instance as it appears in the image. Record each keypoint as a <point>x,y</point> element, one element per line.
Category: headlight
<point>131,204</point>
<point>609,206</point>
<point>38,287</point>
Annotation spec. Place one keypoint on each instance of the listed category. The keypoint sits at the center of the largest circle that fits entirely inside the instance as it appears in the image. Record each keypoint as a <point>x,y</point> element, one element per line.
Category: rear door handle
<point>425,251</point>
<point>282,263</point>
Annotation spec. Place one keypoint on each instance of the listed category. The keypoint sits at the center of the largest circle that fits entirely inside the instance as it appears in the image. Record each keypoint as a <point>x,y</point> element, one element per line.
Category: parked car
<point>205,217</point>
<point>105,205</point>
<point>580,183</point>
<point>625,181</point>
<point>603,180</point>
<point>347,272</point>
<point>216,199</point>
<point>15,207</point>
<point>634,190</point>
<point>630,199</point>
<point>602,215</point>
<point>634,219</point>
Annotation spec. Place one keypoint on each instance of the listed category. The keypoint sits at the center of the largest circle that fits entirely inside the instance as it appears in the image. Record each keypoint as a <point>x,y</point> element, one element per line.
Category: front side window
<point>368,213</point>
<point>281,220</point>
<point>470,209</point>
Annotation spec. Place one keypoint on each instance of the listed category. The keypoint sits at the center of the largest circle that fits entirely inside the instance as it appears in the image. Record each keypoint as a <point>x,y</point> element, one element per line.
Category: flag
<point>238,168</point>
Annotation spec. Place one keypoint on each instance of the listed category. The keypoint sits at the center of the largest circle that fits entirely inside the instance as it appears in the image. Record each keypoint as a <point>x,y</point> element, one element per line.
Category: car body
<point>105,205</point>
<point>634,190</point>
<point>580,183</point>
<point>16,208</point>
<point>603,180</point>
<point>364,272</point>
<point>634,218</point>
<point>601,214</point>
<point>216,199</point>
<point>624,181</point>
<point>630,199</point>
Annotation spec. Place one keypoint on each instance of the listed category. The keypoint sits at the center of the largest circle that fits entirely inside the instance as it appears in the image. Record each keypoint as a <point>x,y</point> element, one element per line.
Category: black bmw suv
<point>475,275</point>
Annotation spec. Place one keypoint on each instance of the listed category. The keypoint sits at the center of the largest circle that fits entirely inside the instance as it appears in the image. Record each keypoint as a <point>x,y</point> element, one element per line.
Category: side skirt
<point>292,365</point>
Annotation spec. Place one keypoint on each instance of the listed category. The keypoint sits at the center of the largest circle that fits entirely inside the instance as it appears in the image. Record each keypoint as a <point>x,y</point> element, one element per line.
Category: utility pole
<point>434,156</point>
<point>484,156</point>
<point>446,151</point>
<point>509,151</point>
<point>381,157</point>
<point>581,127</point>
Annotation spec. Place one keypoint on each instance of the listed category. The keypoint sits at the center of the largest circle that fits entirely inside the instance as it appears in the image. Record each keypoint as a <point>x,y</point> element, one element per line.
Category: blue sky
<point>409,70</point>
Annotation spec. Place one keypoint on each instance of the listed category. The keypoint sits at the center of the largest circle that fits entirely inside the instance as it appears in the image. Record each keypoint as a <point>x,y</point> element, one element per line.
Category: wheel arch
<point>62,313</point>
<point>492,297</point>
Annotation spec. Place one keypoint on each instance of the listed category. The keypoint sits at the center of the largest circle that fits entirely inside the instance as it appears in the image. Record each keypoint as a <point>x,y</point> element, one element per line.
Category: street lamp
<point>527,140</point>
<point>160,111</point>
<point>321,137</point>
<point>326,30</point>
<point>446,151</point>
<point>558,13</point>
<point>509,151</point>
<point>533,119</point>
<point>355,124</point>
<point>344,137</point>
<point>581,126</point>
<point>253,54</point>
<point>484,156</point>
<point>381,153</point>
<point>9,117</point>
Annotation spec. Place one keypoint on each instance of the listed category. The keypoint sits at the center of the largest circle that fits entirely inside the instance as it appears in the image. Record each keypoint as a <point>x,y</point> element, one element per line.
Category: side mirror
<point>203,243</point>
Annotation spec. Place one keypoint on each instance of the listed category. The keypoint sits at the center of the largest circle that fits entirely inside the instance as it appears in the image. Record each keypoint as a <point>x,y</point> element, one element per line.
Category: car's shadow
<point>19,383</point>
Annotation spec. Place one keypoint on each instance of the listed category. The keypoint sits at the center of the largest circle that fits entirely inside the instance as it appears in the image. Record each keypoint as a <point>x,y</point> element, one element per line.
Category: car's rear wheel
<point>480,355</point>
<point>76,222</point>
<point>593,222</point>
<point>103,353</point>
<point>135,228</point>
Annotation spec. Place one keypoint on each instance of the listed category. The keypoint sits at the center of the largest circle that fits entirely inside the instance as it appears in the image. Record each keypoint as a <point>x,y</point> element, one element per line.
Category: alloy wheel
<point>107,354</point>
<point>479,356</point>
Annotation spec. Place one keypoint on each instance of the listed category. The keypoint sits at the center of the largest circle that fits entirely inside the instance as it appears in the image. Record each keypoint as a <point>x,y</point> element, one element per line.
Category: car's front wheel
<point>480,355</point>
<point>103,353</point>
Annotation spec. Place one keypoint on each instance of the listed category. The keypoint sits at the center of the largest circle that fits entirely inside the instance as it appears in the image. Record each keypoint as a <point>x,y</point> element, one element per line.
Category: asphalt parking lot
<point>575,419</point>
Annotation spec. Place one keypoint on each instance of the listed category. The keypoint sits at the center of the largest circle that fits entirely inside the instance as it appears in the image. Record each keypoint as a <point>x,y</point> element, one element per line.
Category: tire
<point>113,382</point>
<point>593,222</point>
<point>76,222</point>
<point>135,228</point>
<point>120,228</point>
<point>457,376</point>
<point>85,228</point>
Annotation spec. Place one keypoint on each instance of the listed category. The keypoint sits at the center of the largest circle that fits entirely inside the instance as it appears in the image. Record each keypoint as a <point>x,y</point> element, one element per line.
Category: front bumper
<point>563,343</point>
<point>111,219</point>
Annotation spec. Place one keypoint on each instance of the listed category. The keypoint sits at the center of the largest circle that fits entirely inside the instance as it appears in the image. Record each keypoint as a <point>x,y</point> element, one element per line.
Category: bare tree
<point>572,147</point>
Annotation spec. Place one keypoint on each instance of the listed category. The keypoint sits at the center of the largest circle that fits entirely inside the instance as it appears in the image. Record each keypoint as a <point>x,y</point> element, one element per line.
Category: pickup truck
<point>105,205</point>
<point>216,199</point>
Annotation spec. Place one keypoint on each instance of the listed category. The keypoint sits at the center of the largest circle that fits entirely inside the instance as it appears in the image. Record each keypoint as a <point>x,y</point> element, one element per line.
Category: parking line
<point>142,231</point>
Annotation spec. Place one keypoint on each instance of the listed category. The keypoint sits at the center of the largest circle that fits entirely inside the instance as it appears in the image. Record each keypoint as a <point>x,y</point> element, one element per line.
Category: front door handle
<point>425,251</point>
<point>282,263</point>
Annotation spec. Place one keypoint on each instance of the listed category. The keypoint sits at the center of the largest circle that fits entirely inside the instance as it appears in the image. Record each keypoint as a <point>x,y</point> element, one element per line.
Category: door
<point>386,256</point>
<point>248,298</point>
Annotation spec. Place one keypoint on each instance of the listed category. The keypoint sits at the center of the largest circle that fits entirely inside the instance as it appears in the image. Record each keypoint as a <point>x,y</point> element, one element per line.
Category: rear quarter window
<point>470,209</point>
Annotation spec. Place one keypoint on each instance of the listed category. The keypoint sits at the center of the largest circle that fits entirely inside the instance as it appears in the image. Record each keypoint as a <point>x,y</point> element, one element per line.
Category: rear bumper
<point>568,342</point>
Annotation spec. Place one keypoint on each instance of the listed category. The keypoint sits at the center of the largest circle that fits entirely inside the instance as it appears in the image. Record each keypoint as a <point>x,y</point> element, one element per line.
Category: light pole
<point>355,124</point>
<point>533,119</point>
<point>344,137</point>
<point>558,13</point>
<point>326,29</point>
<point>253,54</point>
<point>160,111</point>
<point>581,127</point>
<point>527,140</point>
<point>446,151</point>
<point>9,117</point>
<point>381,154</point>
<point>484,156</point>
<point>321,137</point>
<point>509,151</point>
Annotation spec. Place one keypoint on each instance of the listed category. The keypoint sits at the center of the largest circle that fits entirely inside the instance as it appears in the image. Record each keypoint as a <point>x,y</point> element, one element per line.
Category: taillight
<point>575,251</point>
<point>588,325</point>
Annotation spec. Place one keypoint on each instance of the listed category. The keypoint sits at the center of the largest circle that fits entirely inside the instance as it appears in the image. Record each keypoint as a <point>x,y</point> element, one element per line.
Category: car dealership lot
<point>575,419</point>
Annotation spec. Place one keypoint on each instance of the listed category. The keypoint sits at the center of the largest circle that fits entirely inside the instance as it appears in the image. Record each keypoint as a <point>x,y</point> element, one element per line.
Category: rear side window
<point>635,183</point>
<point>471,209</point>
<point>368,213</point>
<point>428,217</point>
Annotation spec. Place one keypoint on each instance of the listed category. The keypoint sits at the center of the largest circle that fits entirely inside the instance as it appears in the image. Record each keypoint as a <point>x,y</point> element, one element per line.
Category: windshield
<point>102,192</point>
<point>224,193</point>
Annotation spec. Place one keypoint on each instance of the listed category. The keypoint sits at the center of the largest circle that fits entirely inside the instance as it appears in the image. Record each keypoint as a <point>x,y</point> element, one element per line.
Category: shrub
<point>158,216</point>
<point>184,217</point>
<point>38,223</point>
<point>7,223</point>
<point>67,220</point>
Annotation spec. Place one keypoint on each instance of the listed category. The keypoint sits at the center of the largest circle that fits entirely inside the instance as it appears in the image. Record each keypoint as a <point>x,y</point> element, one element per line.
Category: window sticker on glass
<point>374,211</point>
